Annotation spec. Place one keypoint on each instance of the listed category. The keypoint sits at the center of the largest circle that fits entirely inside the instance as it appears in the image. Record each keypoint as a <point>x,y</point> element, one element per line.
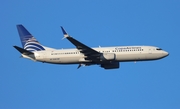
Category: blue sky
<point>25,84</point>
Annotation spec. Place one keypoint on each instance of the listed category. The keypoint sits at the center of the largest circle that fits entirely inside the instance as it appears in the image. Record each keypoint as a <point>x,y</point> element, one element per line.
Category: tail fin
<point>29,42</point>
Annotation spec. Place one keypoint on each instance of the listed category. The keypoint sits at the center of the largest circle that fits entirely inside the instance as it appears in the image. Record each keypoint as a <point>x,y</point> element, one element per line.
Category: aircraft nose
<point>165,53</point>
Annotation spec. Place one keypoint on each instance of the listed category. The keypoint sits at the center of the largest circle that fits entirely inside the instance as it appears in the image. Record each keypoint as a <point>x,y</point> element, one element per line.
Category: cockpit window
<point>158,49</point>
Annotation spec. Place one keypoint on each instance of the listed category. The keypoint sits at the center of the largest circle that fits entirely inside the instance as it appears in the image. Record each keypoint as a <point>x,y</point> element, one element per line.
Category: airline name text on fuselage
<point>120,48</point>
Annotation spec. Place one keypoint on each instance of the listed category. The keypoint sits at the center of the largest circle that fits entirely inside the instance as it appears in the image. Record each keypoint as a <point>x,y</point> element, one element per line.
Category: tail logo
<point>33,45</point>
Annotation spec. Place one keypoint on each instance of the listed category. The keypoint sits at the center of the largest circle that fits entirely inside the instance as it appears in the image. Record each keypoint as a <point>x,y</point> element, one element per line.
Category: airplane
<point>105,57</point>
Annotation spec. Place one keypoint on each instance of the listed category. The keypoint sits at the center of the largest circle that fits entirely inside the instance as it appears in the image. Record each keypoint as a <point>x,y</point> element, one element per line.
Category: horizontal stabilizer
<point>23,51</point>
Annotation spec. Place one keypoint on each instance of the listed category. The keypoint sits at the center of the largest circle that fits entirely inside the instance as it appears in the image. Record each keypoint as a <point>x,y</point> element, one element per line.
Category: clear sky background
<point>25,84</point>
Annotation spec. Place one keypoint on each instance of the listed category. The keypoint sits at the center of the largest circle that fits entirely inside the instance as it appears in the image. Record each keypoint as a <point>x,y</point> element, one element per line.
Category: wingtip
<point>15,46</point>
<point>19,25</point>
<point>64,33</point>
<point>63,30</point>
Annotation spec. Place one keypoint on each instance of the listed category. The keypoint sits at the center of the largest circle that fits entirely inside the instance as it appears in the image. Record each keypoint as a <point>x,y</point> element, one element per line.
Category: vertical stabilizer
<point>28,41</point>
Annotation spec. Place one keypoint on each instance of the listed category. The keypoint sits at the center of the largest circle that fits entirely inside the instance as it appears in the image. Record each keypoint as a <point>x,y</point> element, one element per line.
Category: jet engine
<point>113,65</point>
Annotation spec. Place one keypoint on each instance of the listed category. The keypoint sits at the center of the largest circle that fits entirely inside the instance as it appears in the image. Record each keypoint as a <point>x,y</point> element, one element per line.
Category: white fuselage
<point>122,54</point>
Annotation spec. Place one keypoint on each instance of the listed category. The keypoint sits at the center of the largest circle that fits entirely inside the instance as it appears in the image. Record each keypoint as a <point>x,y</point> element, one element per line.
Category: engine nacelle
<point>107,57</point>
<point>113,65</point>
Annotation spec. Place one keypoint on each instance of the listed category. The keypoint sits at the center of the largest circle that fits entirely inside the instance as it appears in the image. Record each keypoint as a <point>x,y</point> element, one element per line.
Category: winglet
<point>65,33</point>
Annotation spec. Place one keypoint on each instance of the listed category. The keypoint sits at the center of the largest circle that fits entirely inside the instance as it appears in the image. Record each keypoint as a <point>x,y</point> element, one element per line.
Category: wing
<point>87,51</point>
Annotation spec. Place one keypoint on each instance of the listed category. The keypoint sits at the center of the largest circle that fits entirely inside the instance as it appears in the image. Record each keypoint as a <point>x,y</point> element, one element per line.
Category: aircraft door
<point>44,56</point>
<point>150,51</point>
